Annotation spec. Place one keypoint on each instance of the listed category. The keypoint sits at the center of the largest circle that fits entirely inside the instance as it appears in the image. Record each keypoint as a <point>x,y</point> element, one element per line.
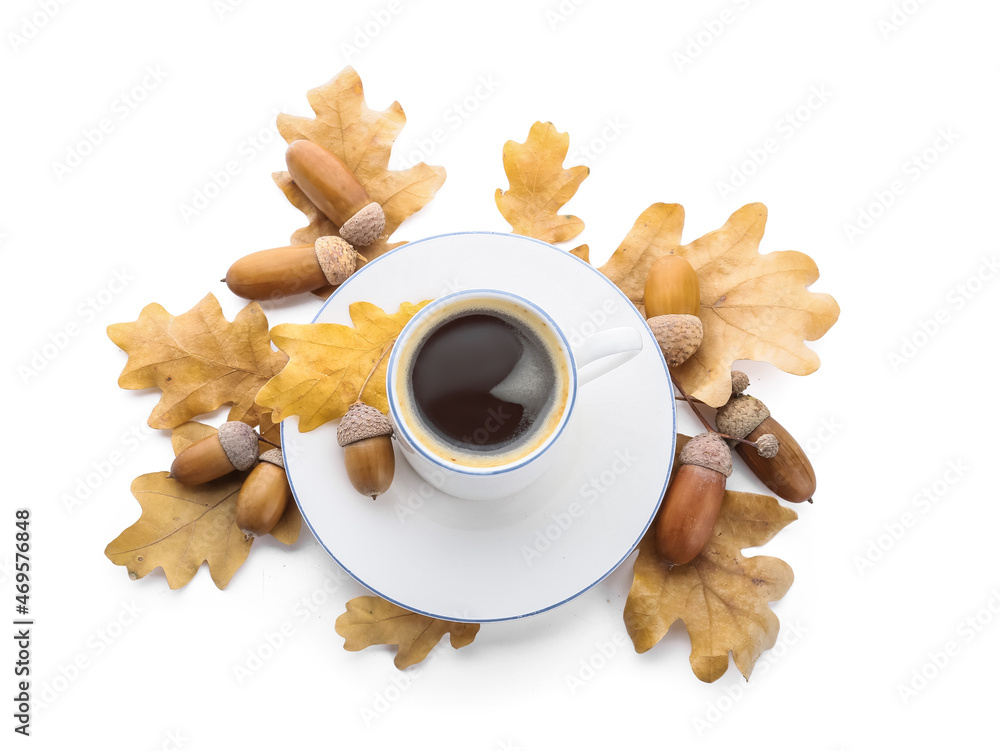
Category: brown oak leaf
<point>198,360</point>
<point>329,362</point>
<point>363,139</point>
<point>371,620</point>
<point>180,527</point>
<point>753,306</point>
<point>540,185</point>
<point>721,596</point>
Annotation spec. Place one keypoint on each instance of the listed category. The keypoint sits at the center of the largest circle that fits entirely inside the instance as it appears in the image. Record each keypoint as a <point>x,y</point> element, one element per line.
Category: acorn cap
<point>740,381</point>
<point>679,336</point>
<point>740,415</point>
<point>337,258</point>
<point>364,227</point>
<point>708,450</point>
<point>767,446</point>
<point>239,441</point>
<point>360,422</point>
<point>273,456</point>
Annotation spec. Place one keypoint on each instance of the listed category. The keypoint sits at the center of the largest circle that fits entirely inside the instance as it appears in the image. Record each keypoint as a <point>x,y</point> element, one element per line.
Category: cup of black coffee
<point>481,385</point>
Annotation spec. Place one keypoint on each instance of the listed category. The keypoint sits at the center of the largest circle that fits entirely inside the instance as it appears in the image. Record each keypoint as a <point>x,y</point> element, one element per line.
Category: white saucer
<point>481,561</point>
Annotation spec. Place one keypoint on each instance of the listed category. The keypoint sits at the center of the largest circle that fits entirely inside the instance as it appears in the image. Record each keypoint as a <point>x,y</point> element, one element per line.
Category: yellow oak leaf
<point>289,526</point>
<point>721,597</point>
<point>329,362</point>
<point>198,360</point>
<point>180,527</point>
<point>540,185</point>
<point>753,306</point>
<point>654,234</point>
<point>373,620</point>
<point>363,139</point>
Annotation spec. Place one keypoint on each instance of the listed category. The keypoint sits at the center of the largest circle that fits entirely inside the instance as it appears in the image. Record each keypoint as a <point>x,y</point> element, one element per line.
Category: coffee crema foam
<point>534,383</point>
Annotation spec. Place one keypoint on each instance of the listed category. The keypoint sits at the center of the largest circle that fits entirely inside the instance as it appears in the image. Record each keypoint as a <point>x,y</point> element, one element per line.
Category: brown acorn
<point>672,298</point>
<point>264,496</point>
<point>278,272</point>
<point>692,502</point>
<point>233,448</point>
<point>788,473</point>
<point>366,437</point>
<point>330,184</point>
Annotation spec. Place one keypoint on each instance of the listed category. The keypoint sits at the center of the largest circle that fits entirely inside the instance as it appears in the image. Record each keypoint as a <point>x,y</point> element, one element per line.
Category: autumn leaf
<point>721,597</point>
<point>180,527</point>
<point>372,620</point>
<point>654,235</point>
<point>539,185</point>
<point>363,139</point>
<point>198,360</point>
<point>289,526</point>
<point>753,306</point>
<point>328,363</point>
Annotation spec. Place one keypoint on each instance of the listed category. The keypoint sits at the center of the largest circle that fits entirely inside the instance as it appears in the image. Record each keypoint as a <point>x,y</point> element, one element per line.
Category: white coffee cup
<point>488,474</point>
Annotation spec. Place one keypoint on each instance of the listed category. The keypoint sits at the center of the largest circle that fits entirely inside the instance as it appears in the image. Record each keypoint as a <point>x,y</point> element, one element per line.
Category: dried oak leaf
<point>289,526</point>
<point>372,620</point>
<point>721,597</point>
<point>363,139</point>
<point>198,359</point>
<point>753,306</point>
<point>539,185</point>
<point>654,234</point>
<point>328,363</point>
<point>180,527</point>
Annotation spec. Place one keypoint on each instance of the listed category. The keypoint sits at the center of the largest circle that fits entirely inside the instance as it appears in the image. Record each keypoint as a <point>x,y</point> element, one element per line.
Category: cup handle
<point>613,348</point>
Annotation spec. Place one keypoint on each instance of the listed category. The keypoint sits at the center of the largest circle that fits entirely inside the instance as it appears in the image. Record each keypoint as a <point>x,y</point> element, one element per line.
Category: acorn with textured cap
<point>279,272</point>
<point>787,472</point>
<point>366,437</point>
<point>694,498</point>
<point>330,184</point>
<point>233,448</point>
<point>672,299</point>
<point>264,496</point>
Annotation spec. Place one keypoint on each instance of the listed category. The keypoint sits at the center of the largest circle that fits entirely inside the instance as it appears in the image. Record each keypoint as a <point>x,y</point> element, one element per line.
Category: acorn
<point>788,473</point>
<point>366,437</point>
<point>278,272</point>
<point>264,496</point>
<point>335,190</point>
<point>692,502</point>
<point>672,298</point>
<point>233,448</point>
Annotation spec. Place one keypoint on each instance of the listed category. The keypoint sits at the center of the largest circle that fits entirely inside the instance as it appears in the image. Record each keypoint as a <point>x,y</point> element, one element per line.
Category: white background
<point>885,433</point>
